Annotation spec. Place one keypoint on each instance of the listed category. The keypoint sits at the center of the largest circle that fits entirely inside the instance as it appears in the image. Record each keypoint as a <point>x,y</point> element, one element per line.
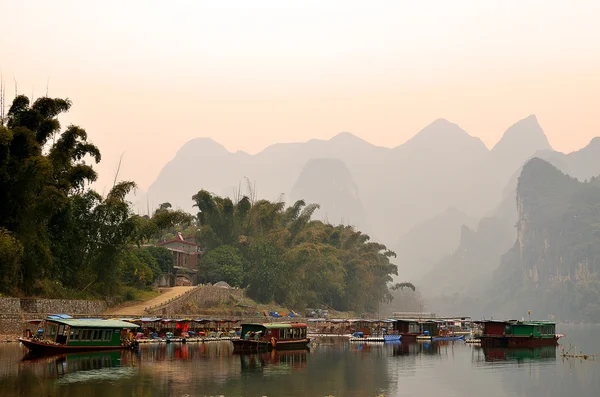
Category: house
<point>186,254</point>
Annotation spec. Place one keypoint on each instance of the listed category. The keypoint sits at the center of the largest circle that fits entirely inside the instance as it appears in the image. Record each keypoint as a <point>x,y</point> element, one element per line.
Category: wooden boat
<point>271,336</point>
<point>518,334</point>
<point>382,338</point>
<point>65,335</point>
<point>447,337</point>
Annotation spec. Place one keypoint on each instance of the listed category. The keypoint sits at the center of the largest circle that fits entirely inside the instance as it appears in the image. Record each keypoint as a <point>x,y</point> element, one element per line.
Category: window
<point>107,334</point>
<point>97,334</point>
<point>74,334</point>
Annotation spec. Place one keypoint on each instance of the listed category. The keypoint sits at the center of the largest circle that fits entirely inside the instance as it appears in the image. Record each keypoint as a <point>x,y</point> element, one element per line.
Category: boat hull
<point>439,338</point>
<point>517,341</point>
<point>385,338</point>
<point>409,336</point>
<point>41,348</point>
<point>242,345</point>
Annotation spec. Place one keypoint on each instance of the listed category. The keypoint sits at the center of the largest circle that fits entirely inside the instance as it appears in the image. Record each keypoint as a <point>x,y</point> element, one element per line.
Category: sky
<point>147,76</point>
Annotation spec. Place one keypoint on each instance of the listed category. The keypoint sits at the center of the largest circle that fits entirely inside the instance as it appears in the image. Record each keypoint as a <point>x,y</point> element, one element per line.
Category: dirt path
<point>137,309</point>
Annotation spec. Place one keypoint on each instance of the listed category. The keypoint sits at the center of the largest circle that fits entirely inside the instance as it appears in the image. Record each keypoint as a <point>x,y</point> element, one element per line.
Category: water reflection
<point>81,367</point>
<point>416,348</point>
<point>95,365</point>
<point>274,361</point>
<point>332,366</point>
<point>519,355</point>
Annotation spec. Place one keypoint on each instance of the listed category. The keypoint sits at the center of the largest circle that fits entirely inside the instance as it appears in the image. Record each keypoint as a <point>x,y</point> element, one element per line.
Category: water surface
<point>331,367</point>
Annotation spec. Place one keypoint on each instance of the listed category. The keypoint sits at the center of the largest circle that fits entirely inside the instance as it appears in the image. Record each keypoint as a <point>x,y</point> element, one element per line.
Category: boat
<point>65,335</point>
<point>360,337</point>
<point>271,336</point>
<point>447,337</point>
<point>515,333</point>
<point>408,329</point>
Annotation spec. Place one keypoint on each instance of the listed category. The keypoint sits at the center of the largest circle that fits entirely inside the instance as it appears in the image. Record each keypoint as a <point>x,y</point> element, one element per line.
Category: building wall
<point>181,246</point>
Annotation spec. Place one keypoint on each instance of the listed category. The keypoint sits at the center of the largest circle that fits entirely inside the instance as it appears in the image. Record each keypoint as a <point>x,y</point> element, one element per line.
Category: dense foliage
<point>280,254</point>
<point>57,236</point>
<point>554,266</point>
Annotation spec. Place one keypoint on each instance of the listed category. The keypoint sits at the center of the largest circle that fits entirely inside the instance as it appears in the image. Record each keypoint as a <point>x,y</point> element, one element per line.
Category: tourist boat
<point>447,337</point>
<point>271,336</point>
<point>65,335</point>
<point>515,333</point>
<point>360,337</point>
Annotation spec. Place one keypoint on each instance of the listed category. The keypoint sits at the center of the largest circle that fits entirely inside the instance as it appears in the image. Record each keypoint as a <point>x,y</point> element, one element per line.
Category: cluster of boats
<point>62,334</point>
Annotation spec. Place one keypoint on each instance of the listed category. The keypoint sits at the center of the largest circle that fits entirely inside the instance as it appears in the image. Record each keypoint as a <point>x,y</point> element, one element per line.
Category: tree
<point>11,252</point>
<point>290,258</point>
<point>224,263</point>
<point>163,258</point>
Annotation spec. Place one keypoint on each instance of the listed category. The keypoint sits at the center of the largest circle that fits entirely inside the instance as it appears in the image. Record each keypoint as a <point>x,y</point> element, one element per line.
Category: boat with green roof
<point>64,335</point>
<point>271,336</point>
<point>515,333</point>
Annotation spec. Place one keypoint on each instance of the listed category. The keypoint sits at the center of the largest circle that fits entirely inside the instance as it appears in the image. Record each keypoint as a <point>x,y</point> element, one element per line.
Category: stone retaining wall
<point>13,311</point>
<point>10,305</point>
<point>49,306</point>
<point>200,297</point>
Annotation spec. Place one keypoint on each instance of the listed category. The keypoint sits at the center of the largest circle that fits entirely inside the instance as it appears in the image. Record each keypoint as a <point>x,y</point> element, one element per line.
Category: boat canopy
<point>273,326</point>
<point>86,323</point>
<point>284,325</point>
<point>58,316</point>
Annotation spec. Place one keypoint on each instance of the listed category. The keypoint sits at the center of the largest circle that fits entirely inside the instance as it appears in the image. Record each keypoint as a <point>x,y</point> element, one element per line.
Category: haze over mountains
<point>415,197</point>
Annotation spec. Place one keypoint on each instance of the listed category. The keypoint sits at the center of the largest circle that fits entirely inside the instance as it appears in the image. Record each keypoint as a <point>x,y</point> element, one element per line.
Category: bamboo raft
<point>580,355</point>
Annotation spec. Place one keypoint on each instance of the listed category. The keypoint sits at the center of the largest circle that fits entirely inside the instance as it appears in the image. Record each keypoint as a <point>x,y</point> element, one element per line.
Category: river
<point>332,367</point>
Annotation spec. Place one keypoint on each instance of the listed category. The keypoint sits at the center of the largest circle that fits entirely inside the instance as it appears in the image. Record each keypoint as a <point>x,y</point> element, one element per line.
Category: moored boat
<point>271,336</point>
<point>360,337</point>
<point>65,335</point>
<point>448,337</point>
<point>515,333</point>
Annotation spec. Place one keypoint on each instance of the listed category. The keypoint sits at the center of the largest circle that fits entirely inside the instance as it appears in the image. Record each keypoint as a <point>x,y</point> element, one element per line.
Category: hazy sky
<point>146,76</point>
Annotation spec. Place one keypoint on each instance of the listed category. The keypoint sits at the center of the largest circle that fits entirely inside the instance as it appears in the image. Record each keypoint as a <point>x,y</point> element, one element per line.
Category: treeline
<point>57,236</point>
<point>280,254</point>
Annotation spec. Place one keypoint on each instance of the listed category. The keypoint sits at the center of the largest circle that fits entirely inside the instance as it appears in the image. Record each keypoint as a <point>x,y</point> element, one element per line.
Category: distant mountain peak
<point>525,136</point>
<point>442,125</point>
<point>442,132</point>
<point>349,139</point>
<point>203,144</point>
<point>345,136</point>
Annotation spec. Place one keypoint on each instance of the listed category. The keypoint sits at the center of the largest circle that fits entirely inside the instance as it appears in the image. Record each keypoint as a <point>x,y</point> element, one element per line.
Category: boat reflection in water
<point>81,367</point>
<point>413,349</point>
<point>518,355</point>
<point>275,361</point>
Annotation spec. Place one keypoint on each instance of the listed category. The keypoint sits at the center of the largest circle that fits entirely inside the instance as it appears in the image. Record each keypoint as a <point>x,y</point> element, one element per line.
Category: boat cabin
<point>279,331</point>
<point>494,327</point>
<point>429,327</point>
<point>407,327</point>
<point>535,329</point>
<point>86,332</point>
